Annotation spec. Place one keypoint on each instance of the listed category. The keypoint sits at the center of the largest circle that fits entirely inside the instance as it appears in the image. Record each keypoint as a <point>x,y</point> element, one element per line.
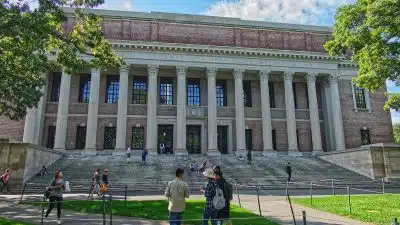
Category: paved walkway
<point>275,208</point>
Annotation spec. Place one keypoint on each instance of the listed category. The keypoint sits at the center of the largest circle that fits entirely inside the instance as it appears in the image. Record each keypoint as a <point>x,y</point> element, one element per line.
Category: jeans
<point>210,214</point>
<point>175,218</point>
<point>51,205</point>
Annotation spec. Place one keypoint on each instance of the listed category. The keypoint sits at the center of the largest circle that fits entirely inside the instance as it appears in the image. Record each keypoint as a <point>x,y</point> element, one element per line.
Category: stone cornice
<point>236,51</point>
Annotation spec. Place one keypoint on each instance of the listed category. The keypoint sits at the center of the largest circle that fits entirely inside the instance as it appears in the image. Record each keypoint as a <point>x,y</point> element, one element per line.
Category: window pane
<point>112,89</point>
<point>365,139</point>
<point>137,138</point>
<point>166,92</point>
<point>139,94</point>
<point>84,88</point>
<point>193,92</point>
<point>221,93</point>
<point>360,97</point>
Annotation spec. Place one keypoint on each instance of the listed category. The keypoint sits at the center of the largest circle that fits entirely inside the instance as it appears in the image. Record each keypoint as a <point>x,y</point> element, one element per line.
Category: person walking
<point>209,191</point>
<point>96,183</point>
<point>43,172</point>
<point>104,185</point>
<point>176,192</point>
<point>223,214</point>
<point>56,188</point>
<point>144,156</point>
<point>289,171</point>
<point>128,154</point>
<point>4,178</point>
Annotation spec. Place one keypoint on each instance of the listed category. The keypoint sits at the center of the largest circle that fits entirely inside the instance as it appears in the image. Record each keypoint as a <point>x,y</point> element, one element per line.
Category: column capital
<point>334,78</point>
<point>311,77</point>
<point>153,69</point>
<point>238,73</point>
<point>264,74</point>
<point>181,70</point>
<point>288,75</point>
<point>211,72</point>
<point>124,69</point>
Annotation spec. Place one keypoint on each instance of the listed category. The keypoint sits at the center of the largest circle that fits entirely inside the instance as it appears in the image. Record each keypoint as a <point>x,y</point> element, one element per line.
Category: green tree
<point>28,36</point>
<point>396,132</point>
<point>369,32</point>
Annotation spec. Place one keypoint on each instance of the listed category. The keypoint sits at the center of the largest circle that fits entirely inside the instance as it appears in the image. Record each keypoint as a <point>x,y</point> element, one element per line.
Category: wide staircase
<point>264,172</point>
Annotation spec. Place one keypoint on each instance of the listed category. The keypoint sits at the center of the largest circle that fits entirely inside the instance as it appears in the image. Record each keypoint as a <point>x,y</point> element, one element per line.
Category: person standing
<point>209,192</point>
<point>223,214</point>
<point>289,171</point>
<point>128,154</point>
<point>96,183</point>
<point>162,148</point>
<point>249,159</point>
<point>4,178</point>
<point>176,192</point>
<point>144,156</point>
<point>43,172</point>
<point>104,179</point>
<point>56,188</point>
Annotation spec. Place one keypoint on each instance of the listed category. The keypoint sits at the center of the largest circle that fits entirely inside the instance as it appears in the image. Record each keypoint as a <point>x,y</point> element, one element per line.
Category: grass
<point>158,210</point>
<point>378,209</point>
<point>4,221</point>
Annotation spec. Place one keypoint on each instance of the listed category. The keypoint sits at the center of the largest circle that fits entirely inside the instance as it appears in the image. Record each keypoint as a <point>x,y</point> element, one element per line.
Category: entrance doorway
<point>222,132</point>
<point>193,139</point>
<point>249,139</point>
<point>165,137</point>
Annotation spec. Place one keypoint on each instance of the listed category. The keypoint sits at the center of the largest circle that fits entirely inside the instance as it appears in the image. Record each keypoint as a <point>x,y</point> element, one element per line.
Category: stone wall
<point>374,161</point>
<point>10,129</point>
<point>25,160</point>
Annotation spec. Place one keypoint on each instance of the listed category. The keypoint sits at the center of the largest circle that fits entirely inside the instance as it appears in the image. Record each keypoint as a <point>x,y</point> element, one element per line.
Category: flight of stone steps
<point>264,172</point>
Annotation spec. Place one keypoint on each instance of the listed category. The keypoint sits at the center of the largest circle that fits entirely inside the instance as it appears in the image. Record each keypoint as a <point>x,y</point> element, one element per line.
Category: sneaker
<point>58,221</point>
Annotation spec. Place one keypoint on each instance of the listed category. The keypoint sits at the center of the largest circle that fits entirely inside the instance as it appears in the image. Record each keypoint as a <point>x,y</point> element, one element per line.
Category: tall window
<point>166,91</point>
<point>247,93</point>
<point>84,88</point>
<point>80,137</point>
<point>193,92</point>
<point>139,94</point>
<point>51,136</point>
<point>110,134</point>
<point>360,97</point>
<point>365,139</point>
<point>221,93</point>
<point>271,94</point>
<point>274,139</point>
<point>137,138</point>
<point>55,87</point>
<point>294,95</point>
<point>112,89</point>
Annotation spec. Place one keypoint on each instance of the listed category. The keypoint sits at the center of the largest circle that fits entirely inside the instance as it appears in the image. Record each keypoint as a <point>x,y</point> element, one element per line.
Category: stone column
<point>212,112</point>
<point>62,114</point>
<point>266,114</point>
<point>30,126</point>
<point>337,112</point>
<point>93,112</point>
<point>314,113</point>
<point>290,112</point>
<point>41,112</point>
<point>120,144</point>
<point>181,112</point>
<point>151,129</point>
<point>239,112</point>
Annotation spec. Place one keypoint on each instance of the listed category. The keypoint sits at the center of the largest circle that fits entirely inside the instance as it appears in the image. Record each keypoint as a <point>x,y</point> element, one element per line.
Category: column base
<point>294,153</point>
<point>181,152</point>
<point>269,153</point>
<point>89,152</point>
<point>213,152</point>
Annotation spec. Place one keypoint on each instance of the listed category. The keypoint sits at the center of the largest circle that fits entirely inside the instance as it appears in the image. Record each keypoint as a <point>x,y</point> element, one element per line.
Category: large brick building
<point>204,84</point>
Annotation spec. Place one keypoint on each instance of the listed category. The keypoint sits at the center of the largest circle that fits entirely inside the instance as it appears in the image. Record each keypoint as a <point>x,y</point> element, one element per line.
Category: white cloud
<point>122,5</point>
<point>291,11</point>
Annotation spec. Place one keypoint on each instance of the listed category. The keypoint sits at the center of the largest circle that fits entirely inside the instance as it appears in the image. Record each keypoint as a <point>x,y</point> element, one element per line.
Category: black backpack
<point>228,189</point>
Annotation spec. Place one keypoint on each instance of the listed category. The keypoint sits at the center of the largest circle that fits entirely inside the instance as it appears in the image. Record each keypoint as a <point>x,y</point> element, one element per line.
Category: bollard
<point>333,187</point>
<point>258,198</point>
<point>22,194</point>
<point>383,186</point>
<point>311,192</point>
<point>44,200</point>
<point>304,218</point>
<point>291,208</point>
<point>238,196</point>
<point>110,209</point>
<point>126,190</point>
<point>395,222</point>
<point>104,210</point>
<point>348,197</point>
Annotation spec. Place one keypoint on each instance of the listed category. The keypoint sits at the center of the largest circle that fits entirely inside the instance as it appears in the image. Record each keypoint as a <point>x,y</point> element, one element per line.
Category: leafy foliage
<point>396,132</point>
<point>369,30</point>
<point>393,102</point>
<point>29,37</point>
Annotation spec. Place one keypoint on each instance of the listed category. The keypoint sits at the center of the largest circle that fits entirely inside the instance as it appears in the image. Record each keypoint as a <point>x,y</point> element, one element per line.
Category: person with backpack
<point>56,189</point>
<point>223,214</point>
<point>4,180</point>
<point>209,191</point>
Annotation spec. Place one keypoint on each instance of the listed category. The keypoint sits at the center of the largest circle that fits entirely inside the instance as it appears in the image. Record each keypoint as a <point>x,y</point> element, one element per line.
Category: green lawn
<point>158,210</point>
<point>379,209</point>
<point>4,221</point>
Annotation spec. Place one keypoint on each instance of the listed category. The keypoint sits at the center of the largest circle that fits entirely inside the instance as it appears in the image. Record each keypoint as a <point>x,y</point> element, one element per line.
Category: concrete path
<point>275,208</point>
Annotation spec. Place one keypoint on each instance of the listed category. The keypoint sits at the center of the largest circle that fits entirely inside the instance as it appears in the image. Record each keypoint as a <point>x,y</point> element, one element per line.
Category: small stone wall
<point>374,161</point>
<point>25,160</point>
